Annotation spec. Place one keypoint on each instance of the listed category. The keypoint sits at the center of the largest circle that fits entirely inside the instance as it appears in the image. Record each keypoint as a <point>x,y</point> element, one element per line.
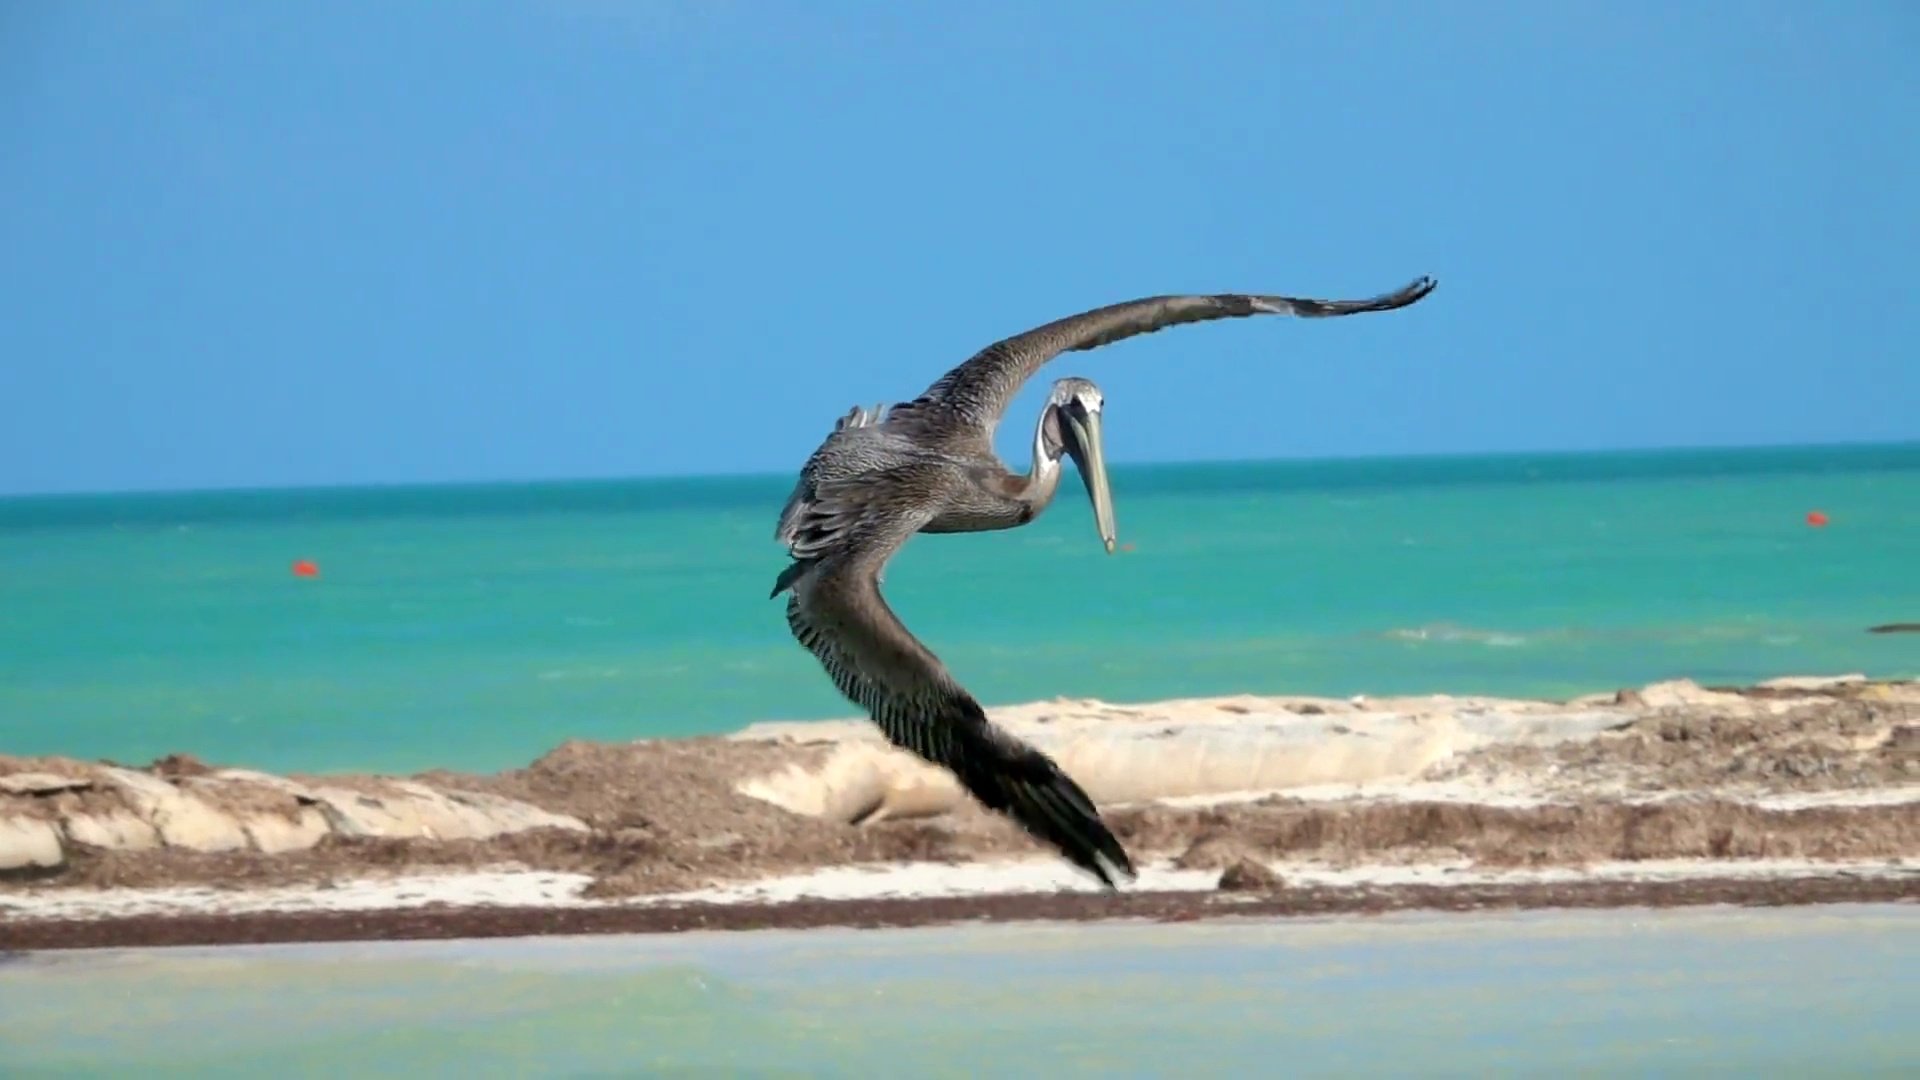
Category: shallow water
<point>1820,991</point>
<point>476,627</point>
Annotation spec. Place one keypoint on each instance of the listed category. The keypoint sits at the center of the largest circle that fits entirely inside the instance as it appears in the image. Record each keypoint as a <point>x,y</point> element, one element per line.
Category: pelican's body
<point>928,465</point>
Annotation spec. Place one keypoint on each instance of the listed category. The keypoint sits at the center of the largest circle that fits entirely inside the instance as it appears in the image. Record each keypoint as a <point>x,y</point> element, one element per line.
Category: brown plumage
<point>928,465</point>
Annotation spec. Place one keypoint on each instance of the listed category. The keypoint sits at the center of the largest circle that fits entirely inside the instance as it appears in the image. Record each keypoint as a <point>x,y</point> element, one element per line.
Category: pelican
<point>928,465</point>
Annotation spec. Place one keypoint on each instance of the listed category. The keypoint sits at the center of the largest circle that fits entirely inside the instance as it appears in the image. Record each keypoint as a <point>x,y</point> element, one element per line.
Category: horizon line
<point>626,478</point>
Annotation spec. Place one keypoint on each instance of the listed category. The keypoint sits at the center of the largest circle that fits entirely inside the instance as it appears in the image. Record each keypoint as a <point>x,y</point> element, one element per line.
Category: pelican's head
<point>1078,404</point>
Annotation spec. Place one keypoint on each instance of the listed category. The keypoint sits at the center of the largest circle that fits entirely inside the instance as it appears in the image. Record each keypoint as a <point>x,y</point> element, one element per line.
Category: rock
<point>412,809</point>
<point>39,783</point>
<point>295,824</point>
<point>119,830</point>
<point>444,818</point>
<point>510,815</point>
<point>272,834</point>
<point>237,809</point>
<point>1249,875</point>
<point>860,784</point>
<point>27,843</point>
<point>182,820</point>
<point>1681,693</point>
<point>356,813</point>
<point>278,783</point>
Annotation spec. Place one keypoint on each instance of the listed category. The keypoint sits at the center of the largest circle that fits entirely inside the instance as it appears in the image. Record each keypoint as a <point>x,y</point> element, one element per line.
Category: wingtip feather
<point>1054,809</point>
<point>787,577</point>
<point>1411,293</point>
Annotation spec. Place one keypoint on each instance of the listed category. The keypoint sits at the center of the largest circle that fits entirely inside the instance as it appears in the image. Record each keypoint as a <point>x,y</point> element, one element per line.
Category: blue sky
<point>263,244</point>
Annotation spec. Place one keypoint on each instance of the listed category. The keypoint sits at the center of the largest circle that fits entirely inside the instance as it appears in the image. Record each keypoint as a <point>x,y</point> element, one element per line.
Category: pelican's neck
<point>1043,476</point>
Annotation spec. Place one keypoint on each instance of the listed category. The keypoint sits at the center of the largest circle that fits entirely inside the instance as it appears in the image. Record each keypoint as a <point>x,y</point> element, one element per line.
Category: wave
<point>575,674</point>
<point>1452,633</point>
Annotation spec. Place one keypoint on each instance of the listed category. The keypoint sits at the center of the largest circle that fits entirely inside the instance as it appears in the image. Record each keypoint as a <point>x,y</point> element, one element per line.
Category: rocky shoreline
<point>1240,805</point>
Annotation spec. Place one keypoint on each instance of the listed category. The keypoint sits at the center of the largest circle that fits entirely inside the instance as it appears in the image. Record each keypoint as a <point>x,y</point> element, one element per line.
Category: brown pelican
<point>928,465</point>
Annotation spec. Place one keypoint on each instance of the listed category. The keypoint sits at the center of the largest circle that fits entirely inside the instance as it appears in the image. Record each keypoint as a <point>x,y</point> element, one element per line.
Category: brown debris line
<point>444,923</point>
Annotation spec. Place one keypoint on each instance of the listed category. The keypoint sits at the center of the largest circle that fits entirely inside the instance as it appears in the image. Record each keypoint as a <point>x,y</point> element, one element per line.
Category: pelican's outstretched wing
<point>836,612</point>
<point>975,394</point>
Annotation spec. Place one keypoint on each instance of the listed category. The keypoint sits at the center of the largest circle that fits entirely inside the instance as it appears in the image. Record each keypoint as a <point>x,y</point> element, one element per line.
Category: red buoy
<point>306,568</point>
<point>1816,519</point>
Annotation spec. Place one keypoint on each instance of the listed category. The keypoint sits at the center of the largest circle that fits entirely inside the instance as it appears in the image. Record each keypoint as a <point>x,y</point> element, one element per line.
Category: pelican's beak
<point>1083,445</point>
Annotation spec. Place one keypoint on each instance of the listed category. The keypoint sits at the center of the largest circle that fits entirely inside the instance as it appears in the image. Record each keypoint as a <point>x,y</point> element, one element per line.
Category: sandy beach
<point>1795,791</point>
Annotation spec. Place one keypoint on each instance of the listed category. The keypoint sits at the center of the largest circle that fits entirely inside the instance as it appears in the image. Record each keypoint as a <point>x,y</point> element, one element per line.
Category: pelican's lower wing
<point>880,666</point>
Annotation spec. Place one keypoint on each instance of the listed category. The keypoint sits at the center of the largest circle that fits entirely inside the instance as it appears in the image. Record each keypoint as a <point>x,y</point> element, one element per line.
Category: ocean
<point>475,627</point>
<point>1807,992</point>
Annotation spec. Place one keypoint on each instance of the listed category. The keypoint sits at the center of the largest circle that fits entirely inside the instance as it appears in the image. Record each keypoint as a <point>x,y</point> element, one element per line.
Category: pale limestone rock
<point>118,830</point>
<point>512,815</point>
<point>860,783</point>
<point>413,809</point>
<point>442,818</point>
<point>355,813</point>
<point>29,842</point>
<point>271,831</point>
<point>278,783</point>
<point>1205,752</point>
<point>182,820</point>
<point>1685,693</point>
<point>39,783</point>
<point>274,833</point>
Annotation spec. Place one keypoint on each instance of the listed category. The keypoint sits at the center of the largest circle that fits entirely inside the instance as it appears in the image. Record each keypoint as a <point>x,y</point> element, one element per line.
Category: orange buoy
<point>306,568</point>
<point>1816,519</point>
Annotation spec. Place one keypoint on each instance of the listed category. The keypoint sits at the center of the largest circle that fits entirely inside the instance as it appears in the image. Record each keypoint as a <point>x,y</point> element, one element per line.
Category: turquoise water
<point>476,627</point>
<point>1826,992</point>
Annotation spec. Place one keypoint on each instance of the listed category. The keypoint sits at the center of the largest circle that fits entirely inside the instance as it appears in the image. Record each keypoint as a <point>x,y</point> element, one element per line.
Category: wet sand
<point>262,928</point>
<point>1242,806</point>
